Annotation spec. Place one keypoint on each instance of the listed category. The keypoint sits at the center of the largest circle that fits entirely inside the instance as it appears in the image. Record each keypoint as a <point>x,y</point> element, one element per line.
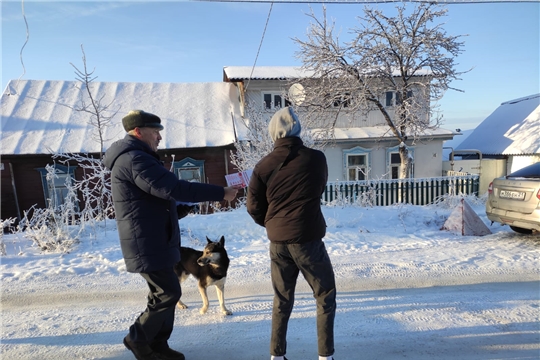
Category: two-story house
<point>364,148</point>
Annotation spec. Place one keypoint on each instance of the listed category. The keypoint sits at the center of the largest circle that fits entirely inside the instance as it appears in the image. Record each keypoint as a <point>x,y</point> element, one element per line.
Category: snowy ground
<point>407,290</point>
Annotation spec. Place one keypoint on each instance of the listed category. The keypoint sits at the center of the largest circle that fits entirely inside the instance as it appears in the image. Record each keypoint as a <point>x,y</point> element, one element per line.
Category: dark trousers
<point>155,325</point>
<point>287,260</point>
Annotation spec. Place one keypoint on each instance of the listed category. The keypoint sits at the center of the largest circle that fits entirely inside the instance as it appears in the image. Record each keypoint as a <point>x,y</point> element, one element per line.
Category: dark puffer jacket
<point>144,196</point>
<point>289,206</point>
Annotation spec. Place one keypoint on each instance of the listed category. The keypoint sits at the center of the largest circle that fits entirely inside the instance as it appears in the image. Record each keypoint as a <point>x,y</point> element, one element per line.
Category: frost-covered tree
<point>406,61</point>
<point>258,142</point>
<point>99,114</point>
<point>94,186</point>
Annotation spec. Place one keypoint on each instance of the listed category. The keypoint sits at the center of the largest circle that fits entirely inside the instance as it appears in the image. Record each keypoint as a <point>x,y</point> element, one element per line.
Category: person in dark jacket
<point>146,199</point>
<point>284,196</point>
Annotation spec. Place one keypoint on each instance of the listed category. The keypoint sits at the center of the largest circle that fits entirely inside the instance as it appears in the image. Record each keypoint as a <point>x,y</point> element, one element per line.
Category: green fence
<point>421,191</point>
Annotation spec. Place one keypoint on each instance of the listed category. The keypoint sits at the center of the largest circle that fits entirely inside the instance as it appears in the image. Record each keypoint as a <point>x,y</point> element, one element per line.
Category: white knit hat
<point>284,123</point>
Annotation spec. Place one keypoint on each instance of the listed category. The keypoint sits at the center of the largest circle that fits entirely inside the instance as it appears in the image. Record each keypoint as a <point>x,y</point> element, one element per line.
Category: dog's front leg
<point>181,305</point>
<point>220,289</point>
<point>182,278</point>
<point>204,296</point>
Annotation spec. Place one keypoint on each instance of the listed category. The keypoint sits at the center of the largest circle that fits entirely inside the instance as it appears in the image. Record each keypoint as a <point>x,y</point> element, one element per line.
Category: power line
<point>447,2</point>
<point>260,45</point>
<point>22,48</point>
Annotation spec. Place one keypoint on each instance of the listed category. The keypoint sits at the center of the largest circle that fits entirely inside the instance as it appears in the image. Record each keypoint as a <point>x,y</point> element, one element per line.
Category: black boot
<point>166,353</point>
<point>141,352</point>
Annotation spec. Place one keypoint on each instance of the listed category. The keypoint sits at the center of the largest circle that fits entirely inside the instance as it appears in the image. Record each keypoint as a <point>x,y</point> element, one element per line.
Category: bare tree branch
<point>408,57</point>
<point>93,107</point>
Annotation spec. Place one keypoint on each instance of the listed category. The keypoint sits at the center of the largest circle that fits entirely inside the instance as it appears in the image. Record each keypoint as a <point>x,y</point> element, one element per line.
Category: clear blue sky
<point>190,41</point>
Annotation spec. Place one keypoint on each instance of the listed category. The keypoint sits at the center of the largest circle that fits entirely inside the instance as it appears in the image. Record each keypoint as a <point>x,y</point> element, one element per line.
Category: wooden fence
<point>421,191</point>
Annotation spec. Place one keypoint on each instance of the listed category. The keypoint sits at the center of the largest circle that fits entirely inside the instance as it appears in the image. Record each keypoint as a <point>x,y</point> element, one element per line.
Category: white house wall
<point>255,88</point>
<point>427,157</point>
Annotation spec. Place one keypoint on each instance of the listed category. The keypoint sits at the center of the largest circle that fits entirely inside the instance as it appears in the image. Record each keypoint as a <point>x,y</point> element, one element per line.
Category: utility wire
<point>260,45</point>
<point>327,2</point>
<point>21,53</point>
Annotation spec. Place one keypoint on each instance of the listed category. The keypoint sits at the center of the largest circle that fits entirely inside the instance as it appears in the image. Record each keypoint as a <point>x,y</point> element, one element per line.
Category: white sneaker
<point>272,357</point>
<point>326,358</point>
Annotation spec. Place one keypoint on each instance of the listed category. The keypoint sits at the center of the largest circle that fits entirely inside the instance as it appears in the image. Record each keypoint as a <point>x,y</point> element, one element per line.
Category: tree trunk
<point>405,162</point>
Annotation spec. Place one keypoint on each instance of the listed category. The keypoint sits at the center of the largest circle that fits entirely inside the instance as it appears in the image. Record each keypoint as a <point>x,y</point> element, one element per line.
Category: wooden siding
<point>27,184</point>
<point>30,189</point>
<point>216,161</point>
<point>8,205</point>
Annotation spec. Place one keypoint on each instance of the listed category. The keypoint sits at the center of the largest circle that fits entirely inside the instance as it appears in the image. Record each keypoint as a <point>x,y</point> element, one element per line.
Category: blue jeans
<point>287,261</point>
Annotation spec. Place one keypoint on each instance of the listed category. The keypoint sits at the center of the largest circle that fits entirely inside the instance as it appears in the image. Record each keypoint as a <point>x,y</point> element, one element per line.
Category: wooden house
<point>42,118</point>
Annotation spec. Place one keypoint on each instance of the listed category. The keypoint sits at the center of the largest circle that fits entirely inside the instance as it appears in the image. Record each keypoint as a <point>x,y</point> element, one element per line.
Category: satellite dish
<point>297,94</point>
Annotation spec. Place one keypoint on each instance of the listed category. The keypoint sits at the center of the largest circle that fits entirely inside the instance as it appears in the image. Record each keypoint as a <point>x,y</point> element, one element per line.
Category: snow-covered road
<point>406,290</point>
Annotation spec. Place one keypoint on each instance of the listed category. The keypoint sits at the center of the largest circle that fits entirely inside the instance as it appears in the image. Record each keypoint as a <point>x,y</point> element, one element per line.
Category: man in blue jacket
<point>145,197</point>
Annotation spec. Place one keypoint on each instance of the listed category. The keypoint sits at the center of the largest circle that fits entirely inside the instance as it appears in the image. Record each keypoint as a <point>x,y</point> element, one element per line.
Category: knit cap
<point>284,123</point>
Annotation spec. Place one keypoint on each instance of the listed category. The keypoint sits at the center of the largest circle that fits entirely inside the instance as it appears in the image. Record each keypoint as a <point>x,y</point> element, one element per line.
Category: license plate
<point>506,194</point>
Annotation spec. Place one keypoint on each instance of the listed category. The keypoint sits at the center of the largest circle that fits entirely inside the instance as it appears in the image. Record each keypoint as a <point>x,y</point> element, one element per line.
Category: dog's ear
<point>209,241</point>
<point>222,240</point>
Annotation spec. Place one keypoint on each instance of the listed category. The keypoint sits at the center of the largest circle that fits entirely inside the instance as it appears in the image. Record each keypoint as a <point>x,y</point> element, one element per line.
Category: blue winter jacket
<point>144,194</point>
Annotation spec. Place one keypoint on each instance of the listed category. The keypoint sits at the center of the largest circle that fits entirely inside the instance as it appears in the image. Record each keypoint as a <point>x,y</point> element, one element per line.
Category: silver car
<point>515,200</point>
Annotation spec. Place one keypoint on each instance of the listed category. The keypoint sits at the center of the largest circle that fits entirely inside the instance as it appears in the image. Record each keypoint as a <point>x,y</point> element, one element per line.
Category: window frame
<point>389,165</point>
<point>395,99</point>
<point>284,101</point>
<point>356,151</point>
<point>343,101</point>
<point>59,193</point>
<point>189,164</point>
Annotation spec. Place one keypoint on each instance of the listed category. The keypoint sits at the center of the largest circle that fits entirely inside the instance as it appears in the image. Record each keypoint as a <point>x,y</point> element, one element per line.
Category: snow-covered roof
<point>40,117</point>
<point>512,129</point>
<point>235,73</point>
<point>380,132</point>
<point>238,73</point>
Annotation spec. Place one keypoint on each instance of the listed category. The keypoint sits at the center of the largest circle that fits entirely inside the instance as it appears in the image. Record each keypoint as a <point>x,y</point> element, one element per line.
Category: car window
<point>531,171</point>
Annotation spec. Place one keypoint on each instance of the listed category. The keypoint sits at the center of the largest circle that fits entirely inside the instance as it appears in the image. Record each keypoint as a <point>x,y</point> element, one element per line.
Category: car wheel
<point>521,230</point>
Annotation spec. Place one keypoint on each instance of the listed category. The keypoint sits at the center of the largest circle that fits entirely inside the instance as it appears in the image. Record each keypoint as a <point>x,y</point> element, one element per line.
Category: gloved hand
<point>183,210</point>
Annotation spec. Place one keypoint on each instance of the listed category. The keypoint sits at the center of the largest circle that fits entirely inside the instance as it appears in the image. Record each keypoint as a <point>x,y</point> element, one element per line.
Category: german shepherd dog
<point>209,267</point>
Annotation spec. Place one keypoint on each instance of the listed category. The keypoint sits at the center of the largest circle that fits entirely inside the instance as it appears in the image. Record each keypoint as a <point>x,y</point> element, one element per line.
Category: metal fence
<point>421,191</point>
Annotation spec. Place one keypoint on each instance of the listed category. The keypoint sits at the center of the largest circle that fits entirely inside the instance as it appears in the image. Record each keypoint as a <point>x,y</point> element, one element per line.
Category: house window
<point>356,163</point>
<point>343,100</point>
<point>190,170</point>
<point>394,162</point>
<point>55,185</point>
<point>356,167</point>
<point>395,165</point>
<point>393,98</point>
<point>389,99</point>
<point>274,100</point>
